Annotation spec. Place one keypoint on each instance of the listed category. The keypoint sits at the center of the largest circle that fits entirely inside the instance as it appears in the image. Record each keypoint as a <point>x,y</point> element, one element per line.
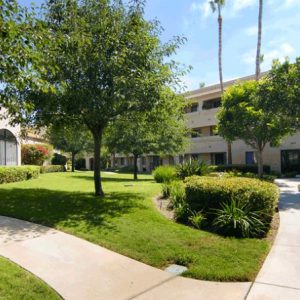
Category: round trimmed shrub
<point>208,194</point>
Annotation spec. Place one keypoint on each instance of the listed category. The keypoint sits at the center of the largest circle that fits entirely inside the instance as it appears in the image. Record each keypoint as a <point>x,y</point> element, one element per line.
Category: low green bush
<point>58,159</point>
<point>208,194</point>
<point>52,169</point>
<point>266,177</point>
<point>14,174</point>
<point>164,174</point>
<point>290,174</point>
<point>192,167</point>
<point>126,169</point>
<point>241,168</point>
<point>80,163</point>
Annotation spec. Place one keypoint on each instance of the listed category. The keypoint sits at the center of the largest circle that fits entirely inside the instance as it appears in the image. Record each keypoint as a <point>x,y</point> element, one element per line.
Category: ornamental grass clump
<point>163,174</point>
<point>235,219</point>
<point>192,167</point>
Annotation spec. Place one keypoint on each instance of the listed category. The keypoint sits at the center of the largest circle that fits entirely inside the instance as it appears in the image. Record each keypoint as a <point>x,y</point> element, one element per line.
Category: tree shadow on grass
<point>111,179</point>
<point>71,209</point>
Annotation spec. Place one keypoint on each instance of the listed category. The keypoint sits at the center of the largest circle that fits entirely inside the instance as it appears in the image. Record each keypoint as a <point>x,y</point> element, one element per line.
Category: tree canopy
<point>281,92</point>
<point>22,64</point>
<point>72,138</point>
<point>161,131</point>
<point>242,116</point>
<point>109,62</point>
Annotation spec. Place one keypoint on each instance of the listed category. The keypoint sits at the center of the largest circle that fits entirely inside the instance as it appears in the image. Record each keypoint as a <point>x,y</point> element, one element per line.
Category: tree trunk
<point>220,49</point>
<point>73,161</point>
<point>260,163</point>
<point>97,163</point>
<point>220,22</point>
<point>229,153</point>
<point>135,173</point>
<point>258,55</point>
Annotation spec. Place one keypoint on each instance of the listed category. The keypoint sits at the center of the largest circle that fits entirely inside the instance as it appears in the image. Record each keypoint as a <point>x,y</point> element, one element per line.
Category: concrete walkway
<point>77,269</point>
<point>279,277</point>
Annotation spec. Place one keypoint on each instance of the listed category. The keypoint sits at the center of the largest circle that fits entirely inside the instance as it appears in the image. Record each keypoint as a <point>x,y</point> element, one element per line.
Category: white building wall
<point>15,130</point>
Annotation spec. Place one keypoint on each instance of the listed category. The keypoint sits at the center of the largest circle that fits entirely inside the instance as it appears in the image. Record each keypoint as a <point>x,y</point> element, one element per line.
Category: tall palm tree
<point>217,5</point>
<point>258,53</point>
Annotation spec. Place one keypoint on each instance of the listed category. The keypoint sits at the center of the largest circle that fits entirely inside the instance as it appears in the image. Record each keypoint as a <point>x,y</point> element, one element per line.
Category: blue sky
<point>194,20</point>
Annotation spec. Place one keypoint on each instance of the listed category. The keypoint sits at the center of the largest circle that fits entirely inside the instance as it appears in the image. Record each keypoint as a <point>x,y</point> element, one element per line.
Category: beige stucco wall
<point>15,130</point>
<point>205,145</point>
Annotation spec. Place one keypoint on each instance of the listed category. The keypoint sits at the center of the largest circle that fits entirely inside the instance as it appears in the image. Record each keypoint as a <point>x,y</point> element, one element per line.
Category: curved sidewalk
<point>77,269</point>
<point>279,277</point>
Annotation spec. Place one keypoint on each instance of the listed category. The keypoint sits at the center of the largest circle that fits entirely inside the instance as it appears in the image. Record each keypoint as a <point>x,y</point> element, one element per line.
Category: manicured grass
<point>16,283</point>
<point>127,222</point>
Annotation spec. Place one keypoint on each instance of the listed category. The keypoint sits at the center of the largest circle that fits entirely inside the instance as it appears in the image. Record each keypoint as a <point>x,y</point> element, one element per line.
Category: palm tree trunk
<point>220,49</point>
<point>258,55</point>
<point>220,22</point>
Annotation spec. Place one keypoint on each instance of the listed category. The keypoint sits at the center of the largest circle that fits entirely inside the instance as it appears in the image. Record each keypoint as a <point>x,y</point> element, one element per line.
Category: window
<point>143,160</point>
<point>196,132</point>
<point>122,161</point>
<point>290,161</point>
<point>8,148</point>
<point>192,108</point>
<point>218,158</point>
<point>181,159</point>
<point>250,158</point>
<point>210,104</point>
<point>195,156</point>
<point>171,160</point>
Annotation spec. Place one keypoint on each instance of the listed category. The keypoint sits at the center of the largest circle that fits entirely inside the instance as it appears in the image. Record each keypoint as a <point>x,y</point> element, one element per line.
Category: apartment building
<point>207,145</point>
<point>10,142</point>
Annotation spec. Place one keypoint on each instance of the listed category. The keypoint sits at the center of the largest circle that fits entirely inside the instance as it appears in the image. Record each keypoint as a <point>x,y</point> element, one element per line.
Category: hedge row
<point>241,168</point>
<point>19,173</point>
<point>206,194</point>
<point>52,169</point>
<point>13,174</point>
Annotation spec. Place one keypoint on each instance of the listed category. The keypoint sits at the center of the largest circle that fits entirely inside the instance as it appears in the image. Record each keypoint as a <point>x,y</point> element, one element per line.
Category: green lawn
<point>16,283</point>
<point>127,222</point>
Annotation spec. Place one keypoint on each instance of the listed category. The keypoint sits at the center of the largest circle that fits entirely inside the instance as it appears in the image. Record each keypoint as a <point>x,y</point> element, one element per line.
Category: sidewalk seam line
<point>152,287</point>
<point>278,285</point>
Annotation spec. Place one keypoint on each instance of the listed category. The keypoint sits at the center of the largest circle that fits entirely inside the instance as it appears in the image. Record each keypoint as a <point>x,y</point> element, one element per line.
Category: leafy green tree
<point>161,131</point>
<point>242,116</point>
<point>70,138</point>
<point>103,52</point>
<point>21,62</point>
<point>281,92</point>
